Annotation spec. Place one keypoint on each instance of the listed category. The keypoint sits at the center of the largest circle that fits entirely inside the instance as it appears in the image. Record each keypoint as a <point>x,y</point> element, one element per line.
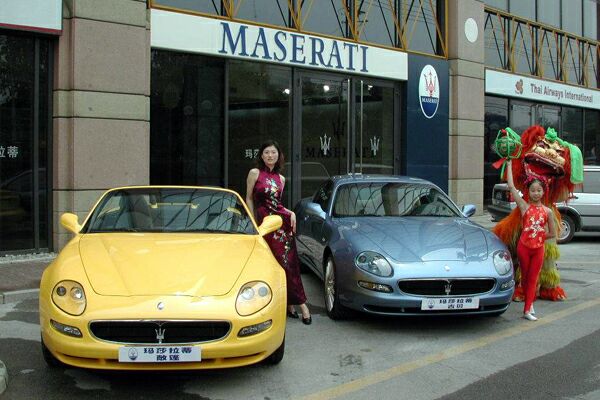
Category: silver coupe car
<point>395,245</point>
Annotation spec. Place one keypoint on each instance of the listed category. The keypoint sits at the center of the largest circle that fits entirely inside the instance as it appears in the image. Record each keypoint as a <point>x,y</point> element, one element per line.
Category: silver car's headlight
<point>69,296</point>
<point>253,297</point>
<point>502,262</point>
<point>373,263</point>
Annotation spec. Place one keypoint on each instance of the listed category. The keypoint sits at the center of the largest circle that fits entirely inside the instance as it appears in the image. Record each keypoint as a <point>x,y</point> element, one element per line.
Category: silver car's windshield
<point>170,210</point>
<point>386,199</point>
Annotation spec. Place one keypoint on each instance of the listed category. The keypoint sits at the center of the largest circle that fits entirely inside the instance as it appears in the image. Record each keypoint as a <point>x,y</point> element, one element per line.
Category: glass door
<point>324,130</point>
<point>374,127</point>
<point>522,115</point>
<point>549,116</point>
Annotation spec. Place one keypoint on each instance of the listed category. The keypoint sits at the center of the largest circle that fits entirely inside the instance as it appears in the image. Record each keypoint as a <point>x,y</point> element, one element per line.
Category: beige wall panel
<point>109,57</point>
<point>110,153</point>
<point>111,105</point>
<point>467,98</point>
<point>62,150</point>
<point>63,59</point>
<point>63,103</point>
<point>466,157</point>
<point>467,191</point>
<point>127,12</point>
<point>467,68</point>
<point>458,13</point>
<point>465,127</point>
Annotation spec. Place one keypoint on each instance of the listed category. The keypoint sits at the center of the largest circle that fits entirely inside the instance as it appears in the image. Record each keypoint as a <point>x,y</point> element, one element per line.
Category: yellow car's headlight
<point>69,296</point>
<point>253,297</point>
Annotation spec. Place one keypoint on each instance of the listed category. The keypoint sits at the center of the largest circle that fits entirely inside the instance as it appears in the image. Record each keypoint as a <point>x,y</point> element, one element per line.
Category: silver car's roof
<point>355,177</point>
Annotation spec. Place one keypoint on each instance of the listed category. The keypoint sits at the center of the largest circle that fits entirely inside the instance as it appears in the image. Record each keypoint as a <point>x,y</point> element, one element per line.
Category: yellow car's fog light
<point>253,297</point>
<point>69,296</point>
<point>66,329</point>
<point>254,329</point>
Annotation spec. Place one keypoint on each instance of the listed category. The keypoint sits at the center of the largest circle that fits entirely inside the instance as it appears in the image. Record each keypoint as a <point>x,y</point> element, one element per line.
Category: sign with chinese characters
<point>196,34</point>
<point>250,153</point>
<point>9,151</point>
<point>525,87</point>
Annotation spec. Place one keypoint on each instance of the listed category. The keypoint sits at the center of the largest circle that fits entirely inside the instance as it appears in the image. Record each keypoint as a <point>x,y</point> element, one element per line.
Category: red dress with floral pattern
<point>534,223</point>
<point>267,195</point>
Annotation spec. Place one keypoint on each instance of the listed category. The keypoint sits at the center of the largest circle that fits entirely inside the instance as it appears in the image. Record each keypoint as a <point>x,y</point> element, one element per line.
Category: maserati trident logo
<point>160,335</point>
<point>325,143</point>
<point>448,288</point>
<point>375,145</point>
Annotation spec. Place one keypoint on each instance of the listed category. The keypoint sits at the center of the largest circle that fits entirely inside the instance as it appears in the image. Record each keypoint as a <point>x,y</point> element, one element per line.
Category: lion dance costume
<point>540,154</point>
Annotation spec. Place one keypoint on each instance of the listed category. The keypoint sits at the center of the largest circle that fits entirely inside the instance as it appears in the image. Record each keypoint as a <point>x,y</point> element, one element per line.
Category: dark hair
<point>531,181</point>
<point>280,161</point>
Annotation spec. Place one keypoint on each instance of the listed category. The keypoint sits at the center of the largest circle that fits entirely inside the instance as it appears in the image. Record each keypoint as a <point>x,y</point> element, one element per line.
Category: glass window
<point>495,50</point>
<point>259,110</point>
<point>572,126</point>
<point>572,17</point>
<point>590,19</point>
<point>420,30</point>
<point>324,17</point>
<point>16,145</point>
<point>499,4</point>
<point>522,115</point>
<point>186,119</point>
<point>271,12</point>
<point>323,194</point>
<point>591,142</point>
<point>591,182</point>
<point>523,8</point>
<point>376,22</point>
<point>548,63</point>
<point>496,118</point>
<point>202,6</point>
<point>523,53</point>
<point>548,12</point>
<point>375,146</point>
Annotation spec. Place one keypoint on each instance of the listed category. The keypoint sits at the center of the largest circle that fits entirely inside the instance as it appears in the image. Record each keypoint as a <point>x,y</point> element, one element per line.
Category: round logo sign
<point>429,91</point>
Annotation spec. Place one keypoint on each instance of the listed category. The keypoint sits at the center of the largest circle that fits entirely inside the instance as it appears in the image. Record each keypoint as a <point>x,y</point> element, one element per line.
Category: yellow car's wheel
<point>277,356</point>
<point>49,358</point>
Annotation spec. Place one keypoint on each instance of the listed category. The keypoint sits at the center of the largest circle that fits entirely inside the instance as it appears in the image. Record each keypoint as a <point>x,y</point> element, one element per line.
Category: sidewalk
<point>20,276</point>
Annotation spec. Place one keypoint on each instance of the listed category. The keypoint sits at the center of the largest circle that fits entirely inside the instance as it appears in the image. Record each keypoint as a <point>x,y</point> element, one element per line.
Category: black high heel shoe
<point>293,314</point>
<point>307,320</point>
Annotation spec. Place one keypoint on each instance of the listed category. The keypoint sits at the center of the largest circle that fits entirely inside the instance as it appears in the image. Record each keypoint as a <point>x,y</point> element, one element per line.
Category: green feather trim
<point>551,251</point>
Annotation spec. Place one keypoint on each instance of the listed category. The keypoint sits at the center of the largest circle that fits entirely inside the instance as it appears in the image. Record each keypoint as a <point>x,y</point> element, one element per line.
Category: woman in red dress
<point>263,195</point>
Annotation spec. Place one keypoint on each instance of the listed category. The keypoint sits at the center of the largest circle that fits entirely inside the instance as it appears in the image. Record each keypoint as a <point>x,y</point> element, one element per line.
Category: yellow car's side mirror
<point>70,222</point>
<point>270,224</point>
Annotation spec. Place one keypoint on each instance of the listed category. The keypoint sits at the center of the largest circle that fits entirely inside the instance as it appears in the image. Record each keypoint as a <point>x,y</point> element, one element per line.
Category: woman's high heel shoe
<point>307,320</point>
<point>292,314</point>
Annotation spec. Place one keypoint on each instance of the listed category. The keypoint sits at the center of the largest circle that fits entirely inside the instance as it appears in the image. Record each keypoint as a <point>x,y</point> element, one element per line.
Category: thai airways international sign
<point>196,34</point>
<point>528,88</point>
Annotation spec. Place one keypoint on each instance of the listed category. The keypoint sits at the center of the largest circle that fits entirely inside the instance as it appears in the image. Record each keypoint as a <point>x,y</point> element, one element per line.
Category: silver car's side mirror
<point>468,210</point>
<point>315,209</point>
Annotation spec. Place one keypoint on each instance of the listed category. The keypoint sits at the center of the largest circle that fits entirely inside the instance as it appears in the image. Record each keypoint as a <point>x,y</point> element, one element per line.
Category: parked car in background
<point>392,245</point>
<point>164,278</point>
<point>581,213</point>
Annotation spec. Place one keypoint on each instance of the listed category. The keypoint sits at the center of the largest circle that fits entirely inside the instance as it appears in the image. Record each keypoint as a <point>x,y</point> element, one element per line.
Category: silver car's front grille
<point>446,287</point>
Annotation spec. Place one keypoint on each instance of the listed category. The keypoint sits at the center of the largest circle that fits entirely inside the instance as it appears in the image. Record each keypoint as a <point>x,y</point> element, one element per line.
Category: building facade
<point>127,92</point>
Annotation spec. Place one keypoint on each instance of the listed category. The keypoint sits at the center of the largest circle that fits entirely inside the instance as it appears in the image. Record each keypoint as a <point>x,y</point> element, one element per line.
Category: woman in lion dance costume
<point>559,164</point>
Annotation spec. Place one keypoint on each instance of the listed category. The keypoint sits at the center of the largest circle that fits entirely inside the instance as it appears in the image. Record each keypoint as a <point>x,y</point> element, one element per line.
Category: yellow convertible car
<point>163,277</point>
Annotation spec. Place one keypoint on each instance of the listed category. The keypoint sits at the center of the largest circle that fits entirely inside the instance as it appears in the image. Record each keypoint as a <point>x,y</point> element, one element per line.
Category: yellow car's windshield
<point>170,210</point>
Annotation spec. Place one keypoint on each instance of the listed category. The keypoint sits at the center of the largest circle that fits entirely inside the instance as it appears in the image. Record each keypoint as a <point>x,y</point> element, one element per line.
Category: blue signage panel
<point>425,143</point>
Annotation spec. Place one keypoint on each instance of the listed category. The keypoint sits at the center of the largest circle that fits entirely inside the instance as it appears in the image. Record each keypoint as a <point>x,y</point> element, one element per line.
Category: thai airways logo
<point>519,87</point>
<point>429,91</point>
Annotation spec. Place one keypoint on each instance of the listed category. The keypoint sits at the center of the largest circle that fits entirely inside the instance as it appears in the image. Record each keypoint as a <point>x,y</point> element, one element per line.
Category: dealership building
<point>95,95</point>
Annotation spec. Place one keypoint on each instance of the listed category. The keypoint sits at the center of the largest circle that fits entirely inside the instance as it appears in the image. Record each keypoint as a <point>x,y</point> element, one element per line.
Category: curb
<point>18,295</point>
<point>3,377</point>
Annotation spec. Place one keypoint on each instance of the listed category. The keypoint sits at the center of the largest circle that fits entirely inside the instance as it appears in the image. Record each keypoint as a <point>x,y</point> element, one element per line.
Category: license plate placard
<point>450,303</point>
<point>159,354</point>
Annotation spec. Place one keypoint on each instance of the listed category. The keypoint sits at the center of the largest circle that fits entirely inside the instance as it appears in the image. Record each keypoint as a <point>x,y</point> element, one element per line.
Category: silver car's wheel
<point>567,229</point>
<point>332,303</point>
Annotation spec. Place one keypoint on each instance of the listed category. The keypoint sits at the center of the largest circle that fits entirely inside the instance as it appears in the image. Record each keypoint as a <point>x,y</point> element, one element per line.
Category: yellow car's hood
<point>137,264</point>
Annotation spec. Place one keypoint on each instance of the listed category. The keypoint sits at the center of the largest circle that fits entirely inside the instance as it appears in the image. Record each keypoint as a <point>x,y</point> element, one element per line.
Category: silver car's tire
<point>566,229</point>
<point>332,303</point>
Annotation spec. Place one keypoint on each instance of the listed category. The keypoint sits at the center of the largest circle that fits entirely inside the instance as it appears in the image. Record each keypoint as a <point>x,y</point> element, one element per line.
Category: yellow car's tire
<point>277,356</point>
<point>52,361</point>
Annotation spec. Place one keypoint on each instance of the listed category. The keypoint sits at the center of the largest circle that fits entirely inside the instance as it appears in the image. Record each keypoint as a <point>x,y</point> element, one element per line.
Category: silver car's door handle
<point>306,217</point>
